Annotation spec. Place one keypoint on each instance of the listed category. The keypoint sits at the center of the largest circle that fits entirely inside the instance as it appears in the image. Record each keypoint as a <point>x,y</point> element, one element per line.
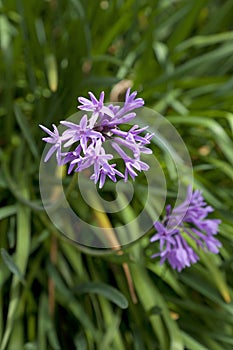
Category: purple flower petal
<point>56,140</point>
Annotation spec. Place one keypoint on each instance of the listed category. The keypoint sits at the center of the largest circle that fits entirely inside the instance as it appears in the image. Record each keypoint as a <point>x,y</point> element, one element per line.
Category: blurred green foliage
<point>178,54</point>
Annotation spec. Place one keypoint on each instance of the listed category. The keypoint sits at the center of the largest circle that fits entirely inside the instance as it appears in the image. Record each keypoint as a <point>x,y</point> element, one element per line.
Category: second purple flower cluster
<point>186,223</point>
<point>87,139</point>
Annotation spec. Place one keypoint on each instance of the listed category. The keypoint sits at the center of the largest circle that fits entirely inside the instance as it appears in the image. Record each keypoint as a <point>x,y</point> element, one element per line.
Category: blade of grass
<point>7,211</point>
<point>42,322</point>
<point>221,136</point>
<point>108,339</point>
<point>106,314</point>
<point>9,261</point>
<point>105,290</point>
<point>52,73</point>
<point>199,284</point>
<point>26,131</point>
<point>185,26</point>
<point>21,258</point>
<point>150,297</point>
<point>217,276</point>
<point>168,277</point>
<point>197,64</point>
<point>206,40</point>
<point>191,343</point>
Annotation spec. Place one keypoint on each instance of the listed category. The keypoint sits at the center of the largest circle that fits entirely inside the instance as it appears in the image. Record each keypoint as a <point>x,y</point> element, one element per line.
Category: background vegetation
<point>178,54</point>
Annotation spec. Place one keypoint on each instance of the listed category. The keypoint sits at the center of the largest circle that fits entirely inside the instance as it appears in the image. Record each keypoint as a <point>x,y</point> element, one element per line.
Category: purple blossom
<point>130,163</point>
<point>54,139</point>
<point>79,132</point>
<point>131,102</point>
<point>71,156</point>
<point>188,220</point>
<point>88,139</point>
<point>92,105</point>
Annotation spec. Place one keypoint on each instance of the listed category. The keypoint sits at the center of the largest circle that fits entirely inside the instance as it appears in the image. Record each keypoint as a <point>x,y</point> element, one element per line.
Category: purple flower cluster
<point>88,138</point>
<point>188,221</point>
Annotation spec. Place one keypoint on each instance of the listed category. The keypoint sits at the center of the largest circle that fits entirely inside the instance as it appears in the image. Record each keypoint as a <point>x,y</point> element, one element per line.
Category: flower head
<point>188,220</point>
<point>88,138</point>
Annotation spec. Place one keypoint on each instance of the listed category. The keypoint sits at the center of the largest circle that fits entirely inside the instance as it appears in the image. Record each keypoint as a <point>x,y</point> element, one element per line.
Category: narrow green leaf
<point>80,341</point>
<point>216,275</point>
<point>221,20</point>
<point>111,330</point>
<point>221,137</point>
<point>7,31</point>
<point>52,336</point>
<point>184,27</point>
<point>223,338</point>
<point>224,167</point>
<point>206,40</point>
<point>150,296</point>
<point>8,260</point>
<point>76,309</point>
<point>213,345</point>
<point>1,309</point>
<point>105,290</point>
<point>54,274</point>
<point>23,124</point>
<point>7,211</point>
<point>167,277</point>
<point>42,322</point>
<point>199,63</point>
<point>40,31</point>
<point>199,284</point>
<point>30,346</point>
<point>191,343</point>
<point>23,235</point>
<point>109,318</point>
<point>52,74</point>
<point>230,120</point>
<point>123,22</point>
<point>20,260</point>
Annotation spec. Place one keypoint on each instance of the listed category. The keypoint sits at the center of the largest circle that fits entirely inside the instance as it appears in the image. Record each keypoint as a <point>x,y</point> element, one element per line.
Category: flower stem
<point>72,185</point>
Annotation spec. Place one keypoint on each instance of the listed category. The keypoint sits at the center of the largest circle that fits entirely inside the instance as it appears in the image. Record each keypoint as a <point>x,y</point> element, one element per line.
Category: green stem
<point>72,185</point>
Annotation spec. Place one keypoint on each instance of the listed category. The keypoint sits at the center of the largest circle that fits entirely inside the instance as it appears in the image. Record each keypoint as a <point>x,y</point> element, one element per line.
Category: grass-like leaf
<point>9,261</point>
<point>105,290</point>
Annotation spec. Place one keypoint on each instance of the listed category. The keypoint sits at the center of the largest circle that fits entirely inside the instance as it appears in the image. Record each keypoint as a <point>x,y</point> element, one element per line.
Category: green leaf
<point>8,260</point>
<point>199,63</point>
<point>51,68</point>
<point>150,297</point>
<point>80,341</point>
<point>217,276</point>
<point>169,277</point>
<point>30,346</point>
<point>191,343</point>
<point>7,211</point>
<point>42,322</point>
<point>185,26</point>
<point>23,124</point>
<point>105,290</point>
<point>198,283</point>
<point>221,137</point>
<point>206,40</point>
<point>109,335</point>
<point>7,31</point>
